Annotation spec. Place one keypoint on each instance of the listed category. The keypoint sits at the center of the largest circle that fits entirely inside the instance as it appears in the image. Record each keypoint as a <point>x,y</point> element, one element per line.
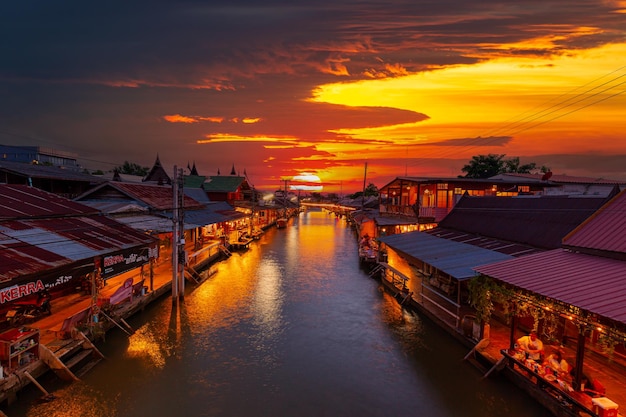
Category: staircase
<point>225,251</point>
<point>72,358</point>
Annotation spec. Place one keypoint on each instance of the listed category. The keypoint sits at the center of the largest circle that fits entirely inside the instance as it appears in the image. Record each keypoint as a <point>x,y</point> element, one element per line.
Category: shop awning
<point>212,213</point>
<point>41,247</point>
<point>593,283</point>
<point>148,223</point>
<point>453,258</point>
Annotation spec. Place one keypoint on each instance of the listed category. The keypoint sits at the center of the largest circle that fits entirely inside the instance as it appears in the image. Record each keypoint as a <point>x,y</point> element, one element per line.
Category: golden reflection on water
<point>144,345</point>
<point>268,297</point>
<point>75,400</point>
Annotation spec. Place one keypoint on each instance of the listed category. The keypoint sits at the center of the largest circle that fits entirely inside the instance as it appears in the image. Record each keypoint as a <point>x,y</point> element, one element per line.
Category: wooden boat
<point>281,222</point>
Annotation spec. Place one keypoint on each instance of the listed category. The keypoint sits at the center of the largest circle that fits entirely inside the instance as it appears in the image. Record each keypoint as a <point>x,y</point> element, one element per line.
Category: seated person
<point>557,363</point>
<point>531,345</point>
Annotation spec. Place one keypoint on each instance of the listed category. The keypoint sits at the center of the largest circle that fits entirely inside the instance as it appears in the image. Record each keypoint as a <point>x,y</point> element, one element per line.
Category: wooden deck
<point>611,372</point>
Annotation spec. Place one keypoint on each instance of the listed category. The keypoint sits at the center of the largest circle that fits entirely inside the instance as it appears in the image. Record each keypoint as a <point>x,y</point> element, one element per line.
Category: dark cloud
<point>472,142</point>
<point>97,78</point>
<point>587,165</point>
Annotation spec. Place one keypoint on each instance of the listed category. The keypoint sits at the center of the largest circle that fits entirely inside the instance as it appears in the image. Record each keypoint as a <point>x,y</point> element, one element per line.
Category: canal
<point>291,327</point>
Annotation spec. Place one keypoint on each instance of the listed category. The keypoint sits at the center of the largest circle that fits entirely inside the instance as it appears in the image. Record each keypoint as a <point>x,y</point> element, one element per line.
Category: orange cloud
<point>177,118</point>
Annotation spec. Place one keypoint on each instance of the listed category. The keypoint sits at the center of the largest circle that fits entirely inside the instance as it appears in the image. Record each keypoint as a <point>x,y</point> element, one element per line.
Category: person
<point>557,362</point>
<point>532,346</point>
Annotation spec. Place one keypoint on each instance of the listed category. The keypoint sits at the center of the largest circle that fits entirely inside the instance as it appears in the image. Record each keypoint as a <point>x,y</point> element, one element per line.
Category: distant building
<point>568,184</point>
<point>39,155</point>
<point>64,182</point>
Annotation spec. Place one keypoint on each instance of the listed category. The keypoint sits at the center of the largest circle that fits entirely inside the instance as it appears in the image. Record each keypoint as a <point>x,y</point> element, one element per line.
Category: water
<point>292,327</point>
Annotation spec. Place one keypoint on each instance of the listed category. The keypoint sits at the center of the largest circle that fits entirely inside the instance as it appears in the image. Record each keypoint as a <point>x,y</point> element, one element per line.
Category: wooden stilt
<point>495,366</point>
<point>47,395</point>
<point>478,346</point>
<point>116,323</point>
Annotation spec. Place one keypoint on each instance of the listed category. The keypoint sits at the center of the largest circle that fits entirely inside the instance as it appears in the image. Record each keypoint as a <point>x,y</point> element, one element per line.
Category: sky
<point>325,93</point>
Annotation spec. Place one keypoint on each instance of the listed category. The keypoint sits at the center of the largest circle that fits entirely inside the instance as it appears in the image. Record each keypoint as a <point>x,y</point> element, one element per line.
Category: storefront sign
<point>122,261</point>
<point>59,277</point>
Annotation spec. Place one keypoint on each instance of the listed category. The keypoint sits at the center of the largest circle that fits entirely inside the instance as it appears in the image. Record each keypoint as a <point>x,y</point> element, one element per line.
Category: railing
<point>572,401</point>
<point>436,213</point>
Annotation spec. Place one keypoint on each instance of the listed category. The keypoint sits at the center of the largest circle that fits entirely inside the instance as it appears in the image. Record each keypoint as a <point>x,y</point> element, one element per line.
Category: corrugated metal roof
<point>157,197</point>
<point>45,171</point>
<point>197,194</point>
<point>212,213</point>
<point>453,258</point>
<point>605,230</point>
<point>148,223</point>
<point>502,246</point>
<point>21,201</point>
<point>395,220</point>
<point>537,221</point>
<point>223,183</point>
<point>116,207</point>
<point>593,283</point>
<point>194,181</point>
<point>32,246</point>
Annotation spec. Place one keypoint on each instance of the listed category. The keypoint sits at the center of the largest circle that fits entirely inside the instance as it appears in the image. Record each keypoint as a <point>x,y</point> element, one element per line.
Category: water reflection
<point>290,327</point>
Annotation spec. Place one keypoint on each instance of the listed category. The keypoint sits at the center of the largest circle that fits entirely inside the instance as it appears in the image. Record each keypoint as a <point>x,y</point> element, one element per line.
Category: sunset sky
<point>291,89</point>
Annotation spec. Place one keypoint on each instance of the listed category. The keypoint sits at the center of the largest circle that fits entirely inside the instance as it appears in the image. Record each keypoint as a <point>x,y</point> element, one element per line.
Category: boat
<point>281,222</point>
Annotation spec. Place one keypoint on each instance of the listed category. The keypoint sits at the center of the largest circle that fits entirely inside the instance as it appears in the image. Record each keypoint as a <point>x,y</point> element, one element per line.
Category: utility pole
<point>182,253</point>
<point>364,181</point>
<point>175,237</point>
<point>178,242</point>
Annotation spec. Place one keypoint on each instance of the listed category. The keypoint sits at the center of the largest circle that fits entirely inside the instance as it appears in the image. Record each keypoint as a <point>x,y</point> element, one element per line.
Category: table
<point>557,388</point>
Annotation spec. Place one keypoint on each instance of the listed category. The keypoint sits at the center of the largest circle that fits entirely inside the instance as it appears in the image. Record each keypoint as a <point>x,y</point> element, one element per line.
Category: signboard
<point>56,278</point>
<point>119,262</point>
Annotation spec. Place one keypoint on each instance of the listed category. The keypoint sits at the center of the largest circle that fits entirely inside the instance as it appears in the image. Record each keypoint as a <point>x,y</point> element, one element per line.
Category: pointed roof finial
<point>232,171</point>
<point>218,172</point>
<point>194,171</point>
<point>157,174</point>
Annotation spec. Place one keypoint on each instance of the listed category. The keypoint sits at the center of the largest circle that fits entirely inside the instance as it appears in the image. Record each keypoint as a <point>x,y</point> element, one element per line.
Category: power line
<point>533,119</point>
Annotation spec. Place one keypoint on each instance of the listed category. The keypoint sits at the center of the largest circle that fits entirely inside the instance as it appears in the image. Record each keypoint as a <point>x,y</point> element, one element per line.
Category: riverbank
<point>66,344</point>
<point>487,356</point>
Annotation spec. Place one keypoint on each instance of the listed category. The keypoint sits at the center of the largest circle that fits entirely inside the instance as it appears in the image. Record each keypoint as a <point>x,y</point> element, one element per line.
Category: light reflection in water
<point>268,300</point>
<point>290,327</point>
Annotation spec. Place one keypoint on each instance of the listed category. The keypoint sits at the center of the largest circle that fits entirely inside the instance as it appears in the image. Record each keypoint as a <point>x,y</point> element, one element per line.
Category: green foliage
<point>485,166</point>
<point>131,168</point>
<point>513,165</point>
<point>484,293</point>
<point>370,191</point>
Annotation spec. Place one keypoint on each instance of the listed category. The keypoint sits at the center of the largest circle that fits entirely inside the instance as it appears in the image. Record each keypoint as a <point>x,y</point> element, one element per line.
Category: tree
<point>512,165</point>
<point>370,190</point>
<point>485,166</point>
<point>131,168</point>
